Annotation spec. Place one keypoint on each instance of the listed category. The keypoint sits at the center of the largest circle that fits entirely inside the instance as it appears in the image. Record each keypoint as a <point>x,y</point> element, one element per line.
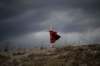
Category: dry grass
<point>85,55</point>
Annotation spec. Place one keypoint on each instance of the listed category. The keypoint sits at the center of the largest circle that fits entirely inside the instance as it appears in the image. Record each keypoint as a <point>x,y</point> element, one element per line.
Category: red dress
<point>53,36</point>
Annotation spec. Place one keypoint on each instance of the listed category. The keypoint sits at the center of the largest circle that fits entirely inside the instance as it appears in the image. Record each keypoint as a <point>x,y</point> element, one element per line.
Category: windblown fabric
<point>53,36</point>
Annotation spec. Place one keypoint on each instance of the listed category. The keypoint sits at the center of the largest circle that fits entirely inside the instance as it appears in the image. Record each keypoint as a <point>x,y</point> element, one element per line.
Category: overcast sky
<point>26,22</point>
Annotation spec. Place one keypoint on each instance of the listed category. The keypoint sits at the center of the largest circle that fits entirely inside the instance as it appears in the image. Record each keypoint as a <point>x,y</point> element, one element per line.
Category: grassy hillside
<point>84,55</point>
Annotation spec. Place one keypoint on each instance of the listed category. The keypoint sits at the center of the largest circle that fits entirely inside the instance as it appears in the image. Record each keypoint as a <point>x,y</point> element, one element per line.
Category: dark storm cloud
<point>17,17</point>
<point>83,24</point>
<point>21,24</point>
<point>11,7</point>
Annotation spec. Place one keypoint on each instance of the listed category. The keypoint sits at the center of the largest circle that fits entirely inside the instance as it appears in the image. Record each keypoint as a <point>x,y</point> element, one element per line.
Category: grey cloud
<point>72,21</point>
<point>15,7</point>
<point>19,17</point>
<point>22,24</point>
<point>84,24</point>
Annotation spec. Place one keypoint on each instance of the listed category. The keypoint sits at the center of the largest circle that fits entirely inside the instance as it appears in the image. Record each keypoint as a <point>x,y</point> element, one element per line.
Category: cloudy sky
<point>25,22</point>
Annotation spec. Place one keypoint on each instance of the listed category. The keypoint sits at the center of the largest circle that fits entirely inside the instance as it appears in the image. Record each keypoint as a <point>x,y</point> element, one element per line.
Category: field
<point>84,55</point>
